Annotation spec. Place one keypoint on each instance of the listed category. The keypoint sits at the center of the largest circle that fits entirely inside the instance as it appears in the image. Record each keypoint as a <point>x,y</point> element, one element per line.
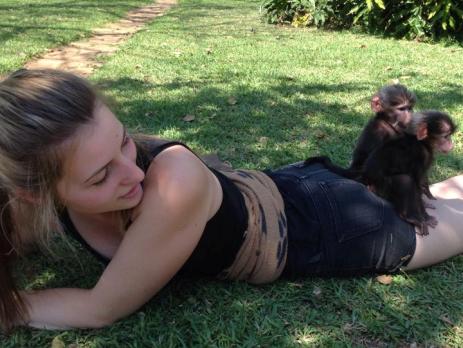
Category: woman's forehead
<point>94,145</point>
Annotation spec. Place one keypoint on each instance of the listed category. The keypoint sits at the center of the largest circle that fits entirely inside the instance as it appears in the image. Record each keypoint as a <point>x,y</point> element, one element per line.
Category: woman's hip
<point>336,226</point>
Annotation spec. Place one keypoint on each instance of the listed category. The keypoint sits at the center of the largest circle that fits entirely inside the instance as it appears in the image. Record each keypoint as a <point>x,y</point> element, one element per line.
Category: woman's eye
<point>102,180</point>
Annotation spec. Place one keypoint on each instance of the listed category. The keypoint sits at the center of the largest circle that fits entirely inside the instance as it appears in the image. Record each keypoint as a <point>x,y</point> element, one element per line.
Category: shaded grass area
<point>263,96</point>
<point>29,27</point>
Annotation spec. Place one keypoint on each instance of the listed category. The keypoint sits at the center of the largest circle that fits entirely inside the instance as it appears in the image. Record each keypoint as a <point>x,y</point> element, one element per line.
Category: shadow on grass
<point>263,127</point>
<point>360,312</point>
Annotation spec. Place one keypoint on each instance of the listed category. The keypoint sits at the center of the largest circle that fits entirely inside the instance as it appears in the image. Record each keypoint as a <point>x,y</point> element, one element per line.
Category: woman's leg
<point>446,240</point>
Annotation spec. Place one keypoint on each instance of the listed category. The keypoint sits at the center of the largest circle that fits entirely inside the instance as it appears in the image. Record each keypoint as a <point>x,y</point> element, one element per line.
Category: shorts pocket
<point>355,210</point>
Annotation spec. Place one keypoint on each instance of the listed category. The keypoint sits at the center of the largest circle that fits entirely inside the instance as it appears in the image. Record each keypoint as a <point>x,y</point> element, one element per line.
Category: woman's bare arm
<point>180,196</point>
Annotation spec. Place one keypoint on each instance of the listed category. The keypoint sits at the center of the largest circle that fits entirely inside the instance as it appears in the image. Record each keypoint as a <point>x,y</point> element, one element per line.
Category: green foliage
<point>298,12</point>
<point>400,18</point>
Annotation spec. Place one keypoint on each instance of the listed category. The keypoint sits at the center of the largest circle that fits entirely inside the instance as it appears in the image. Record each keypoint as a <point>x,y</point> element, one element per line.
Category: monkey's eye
<point>405,108</point>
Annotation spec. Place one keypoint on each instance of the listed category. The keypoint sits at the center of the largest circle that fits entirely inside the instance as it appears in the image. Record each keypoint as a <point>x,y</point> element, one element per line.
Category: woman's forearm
<point>63,308</point>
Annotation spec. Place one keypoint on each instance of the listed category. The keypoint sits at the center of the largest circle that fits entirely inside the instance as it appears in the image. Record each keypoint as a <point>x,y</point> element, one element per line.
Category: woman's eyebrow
<point>124,135</point>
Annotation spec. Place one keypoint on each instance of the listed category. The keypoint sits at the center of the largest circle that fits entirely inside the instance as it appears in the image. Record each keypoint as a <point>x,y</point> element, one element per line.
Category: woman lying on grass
<point>152,209</point>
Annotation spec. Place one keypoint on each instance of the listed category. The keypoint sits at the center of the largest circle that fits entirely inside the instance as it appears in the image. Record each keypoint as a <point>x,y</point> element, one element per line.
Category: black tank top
<point>222,235</point>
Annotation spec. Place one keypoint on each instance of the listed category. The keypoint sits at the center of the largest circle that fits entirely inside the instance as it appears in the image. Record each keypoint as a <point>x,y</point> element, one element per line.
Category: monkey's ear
<point>376,104</point>
<point>422,131</point>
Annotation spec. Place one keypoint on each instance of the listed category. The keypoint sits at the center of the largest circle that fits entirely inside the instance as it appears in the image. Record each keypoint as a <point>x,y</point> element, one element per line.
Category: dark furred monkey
<point>397,171</point>
<point>393,106</point>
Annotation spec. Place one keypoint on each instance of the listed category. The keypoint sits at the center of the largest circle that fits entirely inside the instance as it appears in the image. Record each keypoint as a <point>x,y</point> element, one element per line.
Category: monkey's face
<point>402,113</point>
<point>443,143</point>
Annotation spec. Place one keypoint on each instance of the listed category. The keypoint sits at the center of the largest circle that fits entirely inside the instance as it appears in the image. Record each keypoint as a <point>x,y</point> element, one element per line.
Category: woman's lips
<point>133,192</point>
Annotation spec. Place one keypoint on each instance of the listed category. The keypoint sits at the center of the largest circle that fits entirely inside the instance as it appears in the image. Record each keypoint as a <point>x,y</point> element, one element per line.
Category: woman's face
<point>100,173</point>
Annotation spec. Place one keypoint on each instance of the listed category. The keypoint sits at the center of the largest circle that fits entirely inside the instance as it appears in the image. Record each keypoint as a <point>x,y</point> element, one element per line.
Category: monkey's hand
<point>428,205</point>
<point>431,221</point>
<point>422,229</point>
<point>427,193</point>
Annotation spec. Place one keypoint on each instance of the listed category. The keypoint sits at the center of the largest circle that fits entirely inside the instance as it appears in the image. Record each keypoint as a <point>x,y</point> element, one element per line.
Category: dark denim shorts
<point>336,226</point>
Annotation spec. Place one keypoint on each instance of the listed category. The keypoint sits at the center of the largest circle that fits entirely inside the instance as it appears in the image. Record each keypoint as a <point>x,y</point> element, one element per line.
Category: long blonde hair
<point>39,111</point>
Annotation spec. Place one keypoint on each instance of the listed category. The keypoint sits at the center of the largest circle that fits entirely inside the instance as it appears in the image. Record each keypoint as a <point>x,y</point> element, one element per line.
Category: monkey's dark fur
<point>392,106</point>
<point>397,170</point>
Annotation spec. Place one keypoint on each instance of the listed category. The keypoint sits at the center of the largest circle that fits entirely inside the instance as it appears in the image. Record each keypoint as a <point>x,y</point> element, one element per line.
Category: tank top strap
<point>149,147</point>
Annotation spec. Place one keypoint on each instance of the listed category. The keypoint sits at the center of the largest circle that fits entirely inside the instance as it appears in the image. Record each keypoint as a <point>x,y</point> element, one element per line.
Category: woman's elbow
<point>101,315</point>
<point>101,320</point>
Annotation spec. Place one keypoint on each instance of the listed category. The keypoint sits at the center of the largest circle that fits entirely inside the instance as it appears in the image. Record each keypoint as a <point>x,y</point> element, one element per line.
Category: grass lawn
<point>29,27</point>
<point>262,96</point>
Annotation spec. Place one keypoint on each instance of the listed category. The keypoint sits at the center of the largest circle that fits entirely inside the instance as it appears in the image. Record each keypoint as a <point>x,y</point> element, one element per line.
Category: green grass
<point>29,27</point>
<point>299,92</point>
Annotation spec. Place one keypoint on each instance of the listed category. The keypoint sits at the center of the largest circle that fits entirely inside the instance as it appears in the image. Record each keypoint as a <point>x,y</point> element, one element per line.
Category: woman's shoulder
<point>177,177</point>
<point>176,164</point>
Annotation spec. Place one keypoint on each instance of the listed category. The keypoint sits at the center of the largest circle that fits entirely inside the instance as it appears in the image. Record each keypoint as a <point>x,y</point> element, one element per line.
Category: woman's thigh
<point>337,227</point>
<point>446,240</point>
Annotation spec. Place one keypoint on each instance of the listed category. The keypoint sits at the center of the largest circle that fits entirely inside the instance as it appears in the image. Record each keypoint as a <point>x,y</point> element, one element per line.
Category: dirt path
<point>80,56</point>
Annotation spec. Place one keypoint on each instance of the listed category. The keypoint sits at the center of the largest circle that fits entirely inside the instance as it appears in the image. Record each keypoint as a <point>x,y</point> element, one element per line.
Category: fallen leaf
<point>73,345</point>
<point>317,292</point>
<point>413,345</point>
<point>385,279</point>
<point>405,77</point>
<point>320,135</point>
<point>347,328</point>
<point>395,81</point>
<point>263,140</point>
<point>57,343</point>
<point>188,118</point>
<point>446,320</point>
<point>208,50</point>
<point>177,53</point>
<point>363,46</point>
<point>297,285</point>
<point>138,66</point>
<point>232,101</point>
<point>388,68</point>
<point>149,114</point>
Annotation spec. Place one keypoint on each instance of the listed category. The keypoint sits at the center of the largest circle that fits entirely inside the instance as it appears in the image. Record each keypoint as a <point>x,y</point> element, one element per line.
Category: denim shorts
<point>336,226</point>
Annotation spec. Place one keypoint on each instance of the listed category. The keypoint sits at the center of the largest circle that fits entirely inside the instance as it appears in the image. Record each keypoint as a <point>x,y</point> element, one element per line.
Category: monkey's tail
<point>328,164</point>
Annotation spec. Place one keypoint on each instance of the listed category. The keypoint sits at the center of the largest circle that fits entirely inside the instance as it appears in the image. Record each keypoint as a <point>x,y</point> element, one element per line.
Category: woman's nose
<point>132,173</point>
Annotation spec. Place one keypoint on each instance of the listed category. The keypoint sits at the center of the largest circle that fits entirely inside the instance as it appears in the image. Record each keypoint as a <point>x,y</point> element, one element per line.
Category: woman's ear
<point>27,196</point>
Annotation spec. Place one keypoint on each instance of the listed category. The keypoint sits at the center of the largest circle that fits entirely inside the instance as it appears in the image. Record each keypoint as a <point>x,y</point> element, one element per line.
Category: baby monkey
<point>393,106</point>
<point>397,170</point>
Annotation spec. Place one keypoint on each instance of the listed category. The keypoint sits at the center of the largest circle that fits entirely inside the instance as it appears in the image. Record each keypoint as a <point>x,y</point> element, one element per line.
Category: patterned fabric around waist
<point>262,256</point>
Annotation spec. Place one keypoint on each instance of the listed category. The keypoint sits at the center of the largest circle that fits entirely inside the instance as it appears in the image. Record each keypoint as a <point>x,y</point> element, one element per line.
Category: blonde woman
<point>151,209</point>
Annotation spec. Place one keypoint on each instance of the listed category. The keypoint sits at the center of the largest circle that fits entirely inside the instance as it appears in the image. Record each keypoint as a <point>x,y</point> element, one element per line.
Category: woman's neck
<point>110,221</point>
